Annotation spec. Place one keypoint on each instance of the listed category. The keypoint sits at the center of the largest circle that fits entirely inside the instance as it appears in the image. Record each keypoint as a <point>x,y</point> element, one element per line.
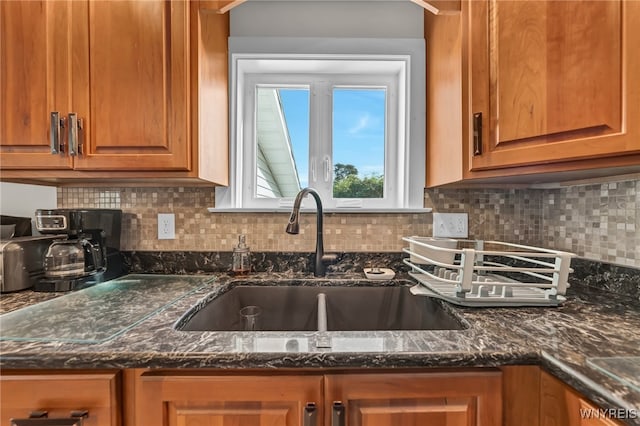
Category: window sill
<point>329,211</point>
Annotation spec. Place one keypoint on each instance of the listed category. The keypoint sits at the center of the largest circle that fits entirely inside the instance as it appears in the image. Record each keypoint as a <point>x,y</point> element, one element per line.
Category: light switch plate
<point>166,226</point>
<point>451,225</point>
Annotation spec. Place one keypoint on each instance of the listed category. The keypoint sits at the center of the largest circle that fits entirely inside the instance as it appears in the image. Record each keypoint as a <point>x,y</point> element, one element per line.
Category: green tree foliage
<point>347,184</point>
<point>342,171</point>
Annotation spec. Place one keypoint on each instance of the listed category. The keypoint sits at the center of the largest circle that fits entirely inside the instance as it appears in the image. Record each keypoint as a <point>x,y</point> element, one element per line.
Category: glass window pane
<point>282,141</point>
<point>358,142</point>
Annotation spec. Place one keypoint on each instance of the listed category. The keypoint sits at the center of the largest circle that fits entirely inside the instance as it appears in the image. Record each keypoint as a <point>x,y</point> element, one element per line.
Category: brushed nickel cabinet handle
<point>73,134</point>
<point>309,415</point>
<point>337,414</point>
<point>477,133</point>
<point>56,125</point>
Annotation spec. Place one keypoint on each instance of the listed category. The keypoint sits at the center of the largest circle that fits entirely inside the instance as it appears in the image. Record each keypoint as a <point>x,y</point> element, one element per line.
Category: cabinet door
<point>35,80</point>
<point>132,75</point>
<point>436,399</point>
<point>554,80</point>
<point>59,395</point>
<point>560,405</point>
<point>220,400</point>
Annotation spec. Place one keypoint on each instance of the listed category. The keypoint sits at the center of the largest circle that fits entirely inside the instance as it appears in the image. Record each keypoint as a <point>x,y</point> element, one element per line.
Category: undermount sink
<point>295,308</point>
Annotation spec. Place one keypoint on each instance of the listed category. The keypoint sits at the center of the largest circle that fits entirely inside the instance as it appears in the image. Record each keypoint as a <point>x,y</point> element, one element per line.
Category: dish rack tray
<point>487,273</point>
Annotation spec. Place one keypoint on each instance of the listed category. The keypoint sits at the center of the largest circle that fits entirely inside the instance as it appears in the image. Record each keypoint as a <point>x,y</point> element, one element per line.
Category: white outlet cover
<point>451,225</point>
<point>166,226</point>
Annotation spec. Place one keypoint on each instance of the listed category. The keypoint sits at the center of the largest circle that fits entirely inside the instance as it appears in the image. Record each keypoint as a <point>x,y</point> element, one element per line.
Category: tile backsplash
<point>197,229</point>
<point>597,221</point>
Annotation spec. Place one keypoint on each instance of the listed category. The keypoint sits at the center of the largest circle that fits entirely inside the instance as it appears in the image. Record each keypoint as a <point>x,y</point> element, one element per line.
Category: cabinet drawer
<point>59,394</point>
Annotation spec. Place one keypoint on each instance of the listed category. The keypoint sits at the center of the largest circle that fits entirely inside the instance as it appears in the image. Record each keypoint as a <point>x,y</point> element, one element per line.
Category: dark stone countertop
<point>562,340</point>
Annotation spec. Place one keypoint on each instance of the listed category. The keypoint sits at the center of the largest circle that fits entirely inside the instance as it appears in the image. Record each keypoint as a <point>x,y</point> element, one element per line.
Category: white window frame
<point>398,65</point>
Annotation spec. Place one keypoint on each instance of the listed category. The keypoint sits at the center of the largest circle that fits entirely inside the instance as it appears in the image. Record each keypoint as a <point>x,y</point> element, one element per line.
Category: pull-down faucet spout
<point>293,227</point>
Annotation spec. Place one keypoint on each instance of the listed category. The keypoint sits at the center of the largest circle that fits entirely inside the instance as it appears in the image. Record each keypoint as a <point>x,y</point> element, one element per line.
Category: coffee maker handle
<point>99,261</point>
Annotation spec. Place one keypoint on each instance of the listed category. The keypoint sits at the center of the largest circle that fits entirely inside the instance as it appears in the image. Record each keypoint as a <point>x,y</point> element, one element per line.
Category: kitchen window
<point>349,125</point>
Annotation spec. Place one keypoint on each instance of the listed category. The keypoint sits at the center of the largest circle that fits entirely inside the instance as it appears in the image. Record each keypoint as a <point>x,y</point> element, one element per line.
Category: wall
<point>23,200</point>
<point>384,19</point>
<point>597,221</point>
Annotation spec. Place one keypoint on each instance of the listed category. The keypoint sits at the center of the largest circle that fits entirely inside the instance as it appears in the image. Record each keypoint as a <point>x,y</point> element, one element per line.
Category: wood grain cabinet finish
<point>437,399</point>
<point>35,79</point>
<point>131,84</point>
<point>385,399</point>
<point>241,400</point>
<point>552,81</point>
<point>551,87</point>
<point>147,78</point>
<point>532,397</point>
<point>560,405</point>
<point>59,395</point>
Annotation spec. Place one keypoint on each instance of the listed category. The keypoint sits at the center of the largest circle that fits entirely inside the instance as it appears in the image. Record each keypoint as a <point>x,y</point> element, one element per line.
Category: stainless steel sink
<point>295,308</point>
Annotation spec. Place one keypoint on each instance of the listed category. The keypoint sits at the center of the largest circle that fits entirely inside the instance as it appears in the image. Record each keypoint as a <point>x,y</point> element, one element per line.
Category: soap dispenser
<point>241,257</point>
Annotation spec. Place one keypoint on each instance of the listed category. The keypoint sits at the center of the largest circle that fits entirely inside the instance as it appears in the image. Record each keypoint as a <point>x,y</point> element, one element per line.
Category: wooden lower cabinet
<point>435,399</point>
<point>510,396</point>
<point>380,399</point>
<point>532,397</point>
<point>190,399</point>
<point>59,395</point>
<point>560,405</point>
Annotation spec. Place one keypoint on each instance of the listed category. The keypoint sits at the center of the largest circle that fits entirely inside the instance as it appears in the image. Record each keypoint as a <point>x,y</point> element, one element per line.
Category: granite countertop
<point>564,340</point>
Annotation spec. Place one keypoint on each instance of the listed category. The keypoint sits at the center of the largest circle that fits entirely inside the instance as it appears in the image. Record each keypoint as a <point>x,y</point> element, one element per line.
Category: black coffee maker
<point>87,252</point>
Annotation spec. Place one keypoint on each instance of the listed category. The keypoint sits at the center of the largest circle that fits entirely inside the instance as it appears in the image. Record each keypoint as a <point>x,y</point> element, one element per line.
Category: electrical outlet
<point>166,226</point>
<point>451,225</point>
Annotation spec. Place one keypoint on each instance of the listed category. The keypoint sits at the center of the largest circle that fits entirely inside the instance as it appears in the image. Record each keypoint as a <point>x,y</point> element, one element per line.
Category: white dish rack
<point>487,273</point>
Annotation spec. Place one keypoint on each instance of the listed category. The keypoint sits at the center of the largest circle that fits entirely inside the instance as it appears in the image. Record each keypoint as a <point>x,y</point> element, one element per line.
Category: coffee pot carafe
<point>86,250</point>
<point>70,259</point>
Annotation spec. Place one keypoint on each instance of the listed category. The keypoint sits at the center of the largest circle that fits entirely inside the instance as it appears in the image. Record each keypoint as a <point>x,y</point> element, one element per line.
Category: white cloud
<point>362,124</point>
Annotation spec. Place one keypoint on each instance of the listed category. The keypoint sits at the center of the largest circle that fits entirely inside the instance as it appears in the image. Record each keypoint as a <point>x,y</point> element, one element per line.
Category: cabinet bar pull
<point>41,418</point>
<point>309,416</point>
<point>56,124</point>
<point>73,134</point>
<point>80,136</point>
<point>477,133</point>
<point>337,414</point>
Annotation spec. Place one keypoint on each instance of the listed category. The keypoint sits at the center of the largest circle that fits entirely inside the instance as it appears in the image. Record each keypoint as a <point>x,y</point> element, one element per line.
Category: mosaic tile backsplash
<point>596,221</point>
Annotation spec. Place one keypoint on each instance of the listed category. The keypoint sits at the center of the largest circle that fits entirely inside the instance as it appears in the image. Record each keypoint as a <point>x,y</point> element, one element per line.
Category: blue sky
<point>358,128</point>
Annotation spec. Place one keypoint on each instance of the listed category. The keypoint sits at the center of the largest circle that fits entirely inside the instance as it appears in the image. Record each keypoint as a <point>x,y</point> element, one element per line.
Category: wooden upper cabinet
<point>131,79</point>
<point>436,399</point>
<point>550,78</point>
<point>148,79</point>
<point>552,84</point>
<point>35,80</point>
